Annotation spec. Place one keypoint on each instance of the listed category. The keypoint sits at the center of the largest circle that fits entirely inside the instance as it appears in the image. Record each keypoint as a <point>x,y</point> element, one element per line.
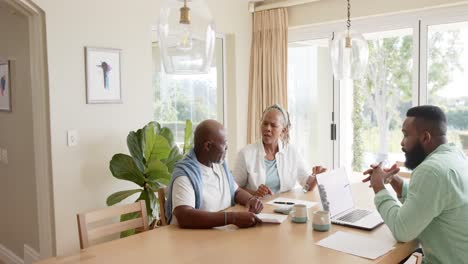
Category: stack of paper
<point>272,218</point>
<point>357,245</point>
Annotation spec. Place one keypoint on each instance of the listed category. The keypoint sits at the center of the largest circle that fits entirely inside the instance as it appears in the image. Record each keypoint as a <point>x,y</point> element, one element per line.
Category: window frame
<point>417,20</point>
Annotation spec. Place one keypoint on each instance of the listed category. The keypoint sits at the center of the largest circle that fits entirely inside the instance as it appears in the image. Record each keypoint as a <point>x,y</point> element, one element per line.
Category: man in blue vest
<point>202,185</point>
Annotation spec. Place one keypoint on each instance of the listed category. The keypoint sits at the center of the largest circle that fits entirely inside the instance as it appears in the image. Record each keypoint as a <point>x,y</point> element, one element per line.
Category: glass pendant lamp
<point>186,33</point>
<point>349,53</point>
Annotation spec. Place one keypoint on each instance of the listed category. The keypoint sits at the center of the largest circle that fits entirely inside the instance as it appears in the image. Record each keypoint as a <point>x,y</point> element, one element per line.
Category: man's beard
<point>415,156</point>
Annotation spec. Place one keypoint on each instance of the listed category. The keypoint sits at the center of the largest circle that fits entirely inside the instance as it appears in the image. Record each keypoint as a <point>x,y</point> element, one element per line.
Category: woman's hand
<point>263,190</point>
<point>318,169</point>
<point>312,180</point>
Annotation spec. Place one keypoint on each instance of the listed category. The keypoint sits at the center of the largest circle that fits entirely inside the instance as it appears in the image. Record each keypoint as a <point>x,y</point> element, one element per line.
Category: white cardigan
<point>250,172</point>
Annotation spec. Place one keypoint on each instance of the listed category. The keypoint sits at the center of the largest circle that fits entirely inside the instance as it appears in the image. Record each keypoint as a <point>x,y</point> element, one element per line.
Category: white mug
<point>321,221</point>
<point>299,213</point>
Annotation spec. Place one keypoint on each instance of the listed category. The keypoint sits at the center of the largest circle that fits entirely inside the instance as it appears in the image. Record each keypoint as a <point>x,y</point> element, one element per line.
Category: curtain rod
<point>285,3</point>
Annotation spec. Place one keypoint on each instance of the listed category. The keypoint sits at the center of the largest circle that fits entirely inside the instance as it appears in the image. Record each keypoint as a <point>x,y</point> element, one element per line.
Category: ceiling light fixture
<point>349,53</point>
<point>186,33</point>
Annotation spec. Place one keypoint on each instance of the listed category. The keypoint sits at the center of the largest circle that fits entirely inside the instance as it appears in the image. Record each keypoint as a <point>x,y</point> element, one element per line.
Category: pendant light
<point>349,53</point>
<point>186,33</point>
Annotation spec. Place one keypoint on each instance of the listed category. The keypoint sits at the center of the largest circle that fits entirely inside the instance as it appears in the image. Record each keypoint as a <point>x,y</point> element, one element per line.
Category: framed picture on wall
<point>102,75</point>
<point>5,86</point>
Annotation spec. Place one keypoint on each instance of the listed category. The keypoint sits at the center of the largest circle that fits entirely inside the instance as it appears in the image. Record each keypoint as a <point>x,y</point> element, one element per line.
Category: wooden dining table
<point>287,242</point>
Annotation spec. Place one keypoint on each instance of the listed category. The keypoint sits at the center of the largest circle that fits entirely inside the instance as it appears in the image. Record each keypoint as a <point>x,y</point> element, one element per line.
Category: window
<point>378,103</point>
<point>194,97</point>
<point>310,87</point>
<point>414,59</point>
<point>447,56</point>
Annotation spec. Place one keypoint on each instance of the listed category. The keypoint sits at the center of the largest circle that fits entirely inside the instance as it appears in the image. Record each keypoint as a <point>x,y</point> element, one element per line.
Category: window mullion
<point>422,39</point>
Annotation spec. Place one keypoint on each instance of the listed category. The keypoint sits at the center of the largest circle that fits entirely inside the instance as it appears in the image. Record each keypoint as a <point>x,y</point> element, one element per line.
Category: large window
<point>414,59</point>
<point>447,56</point>
<point>194,97</point>
<point>378,103</point>
<point>309,98</point>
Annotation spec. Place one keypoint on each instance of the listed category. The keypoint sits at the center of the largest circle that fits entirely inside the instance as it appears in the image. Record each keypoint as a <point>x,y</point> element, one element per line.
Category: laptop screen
<point>336,185</point>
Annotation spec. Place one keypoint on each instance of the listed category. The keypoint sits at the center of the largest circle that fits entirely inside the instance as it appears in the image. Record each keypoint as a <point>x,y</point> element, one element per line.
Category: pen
<point>283,202</point>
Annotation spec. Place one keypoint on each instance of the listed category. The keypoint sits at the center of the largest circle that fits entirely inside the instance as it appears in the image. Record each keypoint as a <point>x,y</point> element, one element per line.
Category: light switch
<point>4,155</point>
<point>72,138</point>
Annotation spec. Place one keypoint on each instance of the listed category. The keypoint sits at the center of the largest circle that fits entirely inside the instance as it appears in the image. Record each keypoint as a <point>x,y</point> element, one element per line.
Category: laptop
<point>336,197</point>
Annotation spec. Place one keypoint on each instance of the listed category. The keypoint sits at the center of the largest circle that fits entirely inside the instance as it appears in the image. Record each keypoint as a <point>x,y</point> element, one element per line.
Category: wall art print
<point>5,86</point>
<point>102,75</point>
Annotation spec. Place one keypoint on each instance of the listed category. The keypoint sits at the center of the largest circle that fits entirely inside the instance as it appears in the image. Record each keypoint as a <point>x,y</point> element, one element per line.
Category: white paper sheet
<point>283,201</point>
<point>357,245</point>
<point>272,218</point>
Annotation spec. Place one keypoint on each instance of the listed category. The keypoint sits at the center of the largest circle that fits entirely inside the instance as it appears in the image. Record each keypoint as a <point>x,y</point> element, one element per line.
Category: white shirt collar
<point>280,146</point>
<point>203,167</point>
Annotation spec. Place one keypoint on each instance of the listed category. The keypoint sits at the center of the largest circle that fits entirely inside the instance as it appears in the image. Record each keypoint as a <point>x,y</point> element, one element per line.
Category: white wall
<point>332,10</point>
<point>81,177</point>
<point>18,221</point>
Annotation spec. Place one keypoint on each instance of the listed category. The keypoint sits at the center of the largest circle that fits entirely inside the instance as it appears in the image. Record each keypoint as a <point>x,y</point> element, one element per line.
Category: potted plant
<point>153,154</point>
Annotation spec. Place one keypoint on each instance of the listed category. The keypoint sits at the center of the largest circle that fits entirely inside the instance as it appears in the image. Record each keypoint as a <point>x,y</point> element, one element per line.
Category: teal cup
<point>321,221</point>
<point>299,219</point>
<point>299,213</point>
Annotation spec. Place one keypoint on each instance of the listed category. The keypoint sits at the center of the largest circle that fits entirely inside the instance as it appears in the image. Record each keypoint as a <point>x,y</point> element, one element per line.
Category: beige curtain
<point>268,66</point>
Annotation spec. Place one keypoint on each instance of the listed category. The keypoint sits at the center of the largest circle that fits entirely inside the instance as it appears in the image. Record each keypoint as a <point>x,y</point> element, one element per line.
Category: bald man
<point>201,185</point>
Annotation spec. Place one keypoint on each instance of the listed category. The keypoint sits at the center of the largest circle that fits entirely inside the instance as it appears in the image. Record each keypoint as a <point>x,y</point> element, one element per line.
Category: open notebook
<point>272,218</point>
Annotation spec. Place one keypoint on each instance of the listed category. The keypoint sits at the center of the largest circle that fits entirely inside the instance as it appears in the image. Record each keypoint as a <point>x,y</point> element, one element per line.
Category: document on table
<point>272,218</point>
<point>280,201</point>
<point>357,245</point>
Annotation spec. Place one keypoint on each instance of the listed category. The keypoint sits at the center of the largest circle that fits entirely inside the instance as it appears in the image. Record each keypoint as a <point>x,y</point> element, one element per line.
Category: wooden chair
<point>406,174</point>
<point>162,208</point>
<point>87,235</point>
<point>416,258</point>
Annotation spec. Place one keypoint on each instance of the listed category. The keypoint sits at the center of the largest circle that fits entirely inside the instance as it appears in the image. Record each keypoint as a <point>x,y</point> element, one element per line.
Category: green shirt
<point>434,207</point>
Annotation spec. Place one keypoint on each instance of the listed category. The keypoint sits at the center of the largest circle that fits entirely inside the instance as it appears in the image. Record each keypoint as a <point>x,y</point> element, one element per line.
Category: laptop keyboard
<point>355,215</point>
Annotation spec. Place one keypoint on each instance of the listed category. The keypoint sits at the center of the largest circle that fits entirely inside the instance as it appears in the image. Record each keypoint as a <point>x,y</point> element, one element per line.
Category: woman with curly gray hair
<point>272,165</point>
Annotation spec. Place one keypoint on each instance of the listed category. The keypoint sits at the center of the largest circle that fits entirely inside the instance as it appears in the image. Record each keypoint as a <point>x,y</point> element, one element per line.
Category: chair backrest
<point>403,173</point>
<point>162,208</point>
<point>90,234</point>
<point>415,258</point>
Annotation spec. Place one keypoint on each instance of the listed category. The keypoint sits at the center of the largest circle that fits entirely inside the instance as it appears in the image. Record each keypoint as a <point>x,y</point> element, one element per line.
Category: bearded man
<point>434,203</point>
